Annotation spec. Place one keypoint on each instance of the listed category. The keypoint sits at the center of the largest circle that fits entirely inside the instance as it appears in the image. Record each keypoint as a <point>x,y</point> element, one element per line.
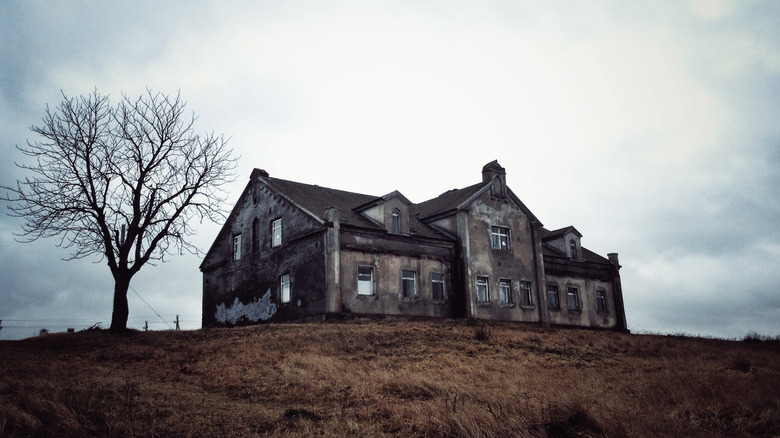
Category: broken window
<point>409,284</point>
<point>396,221</point>
<point>237,247</point>
<point>285,293</point>
<point>365,280</point>
<point>483,289</point>
<point>525,294</point>
<point>572,298</point>
<point>276,232</point>
<point>553,301</point>
<point>499,238</point>
<point>504,291</point>
<point>601,301</point>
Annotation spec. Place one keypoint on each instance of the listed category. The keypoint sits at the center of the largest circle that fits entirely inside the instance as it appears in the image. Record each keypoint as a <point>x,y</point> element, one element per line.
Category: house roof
<point>448,201</point>
<point>314,199</point>
<point>587,255</point>
<point>547,234</point>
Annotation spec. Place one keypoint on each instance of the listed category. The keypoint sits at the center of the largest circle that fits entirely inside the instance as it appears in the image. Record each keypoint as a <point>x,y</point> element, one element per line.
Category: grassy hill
<point>446,378</point>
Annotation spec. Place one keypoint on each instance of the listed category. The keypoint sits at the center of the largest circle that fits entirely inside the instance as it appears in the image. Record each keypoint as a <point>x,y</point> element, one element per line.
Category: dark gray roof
<point>447,201</point>
<point>315,199</point>
<point>587,255</point>
<point>547,234</point>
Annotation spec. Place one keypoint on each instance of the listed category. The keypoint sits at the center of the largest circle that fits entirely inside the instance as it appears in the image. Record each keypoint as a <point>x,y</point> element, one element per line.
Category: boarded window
<point>437,287</point>
<point>365,280</point>
<point>483,289</point>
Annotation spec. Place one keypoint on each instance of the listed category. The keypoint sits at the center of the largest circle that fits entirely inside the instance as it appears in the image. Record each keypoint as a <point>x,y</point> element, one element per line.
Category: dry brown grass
<point>363,379</point>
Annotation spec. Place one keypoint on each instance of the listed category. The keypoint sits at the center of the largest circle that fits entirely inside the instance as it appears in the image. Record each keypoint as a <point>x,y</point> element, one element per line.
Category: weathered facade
<point>292,251</point>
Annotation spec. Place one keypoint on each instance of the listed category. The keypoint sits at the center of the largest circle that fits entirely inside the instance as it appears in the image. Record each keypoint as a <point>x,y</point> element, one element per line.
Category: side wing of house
<point>398,266</point>
<point>583,288</point>
<point>267,263</point>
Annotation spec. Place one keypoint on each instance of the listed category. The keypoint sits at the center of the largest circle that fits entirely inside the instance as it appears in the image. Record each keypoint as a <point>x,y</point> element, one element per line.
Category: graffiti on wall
<point>256,310</point>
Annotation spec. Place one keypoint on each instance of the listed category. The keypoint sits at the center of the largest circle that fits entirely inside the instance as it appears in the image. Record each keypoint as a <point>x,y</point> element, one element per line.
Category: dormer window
<point>396,221</point>
<point>573,248</point>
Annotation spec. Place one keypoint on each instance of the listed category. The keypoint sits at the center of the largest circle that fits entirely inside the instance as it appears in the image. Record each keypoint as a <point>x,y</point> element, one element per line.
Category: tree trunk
<point>121,311</point>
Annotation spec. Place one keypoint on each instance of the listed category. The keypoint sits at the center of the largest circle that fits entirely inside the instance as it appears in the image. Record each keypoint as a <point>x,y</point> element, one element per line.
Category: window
<point>396,221</point>
<point>237,247</point>
<point>276,233</point>
<point>285,288</point>
<point>255,235</point>
<point>552,297</point>
<point>437,287</point>
<point>365,280</point>
<point>504,291</point>
<point>601,301</point>
<point>483,290</point>
<point>573,248</point>
<point>572,298</point>
<point>409,284</point>
<point>499,237</point>
<point>525,294</point>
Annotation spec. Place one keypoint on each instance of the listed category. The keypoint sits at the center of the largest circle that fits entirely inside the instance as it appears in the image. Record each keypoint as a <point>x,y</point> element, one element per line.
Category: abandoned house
<point>293,251</point>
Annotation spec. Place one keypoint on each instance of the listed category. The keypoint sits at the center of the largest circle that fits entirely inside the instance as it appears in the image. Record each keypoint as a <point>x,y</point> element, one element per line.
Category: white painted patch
<point>259,309</point>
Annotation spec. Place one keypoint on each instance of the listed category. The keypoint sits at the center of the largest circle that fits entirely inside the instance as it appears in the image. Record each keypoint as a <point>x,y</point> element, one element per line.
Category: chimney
<point>257,173</point>
<point>613,258</point>
<point>493,172</point>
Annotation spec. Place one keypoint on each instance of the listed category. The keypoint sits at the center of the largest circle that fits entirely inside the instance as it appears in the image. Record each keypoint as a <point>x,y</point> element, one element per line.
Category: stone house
<point>293,251</point>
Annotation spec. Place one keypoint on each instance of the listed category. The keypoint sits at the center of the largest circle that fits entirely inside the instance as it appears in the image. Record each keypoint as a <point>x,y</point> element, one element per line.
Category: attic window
<point>237,247</point>
<point>276,233</point>
<point>499,238</point>
<point>396,221</point>
<point>573,248</point>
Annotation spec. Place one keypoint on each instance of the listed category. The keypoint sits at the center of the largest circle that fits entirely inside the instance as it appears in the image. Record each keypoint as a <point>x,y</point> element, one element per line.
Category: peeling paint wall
<point>515,264</point>
<point>586,315</point>
<point>261,265</point>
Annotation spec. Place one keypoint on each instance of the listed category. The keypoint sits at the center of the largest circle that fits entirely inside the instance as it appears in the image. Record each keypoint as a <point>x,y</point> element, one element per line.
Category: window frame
<point>553,288</point>
<point>237,247</point>
<point>505,291</point>
<point>496,235</point>
<point>284,280</point>
<point>526,297</point>
<point>485,282</point>
<point>396,221</point>
<point>276,239</point>
<point>408,276</point>
<point>601,301</point>
<point>440,282</point>
<point>573,291</point>
<point>371,281</point>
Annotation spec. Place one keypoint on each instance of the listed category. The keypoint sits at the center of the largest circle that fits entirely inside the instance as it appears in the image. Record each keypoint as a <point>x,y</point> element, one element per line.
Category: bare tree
<point>121,182</point>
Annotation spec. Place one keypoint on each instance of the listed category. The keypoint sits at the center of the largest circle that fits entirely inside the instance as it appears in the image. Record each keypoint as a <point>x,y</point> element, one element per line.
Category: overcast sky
<point>652,127</point>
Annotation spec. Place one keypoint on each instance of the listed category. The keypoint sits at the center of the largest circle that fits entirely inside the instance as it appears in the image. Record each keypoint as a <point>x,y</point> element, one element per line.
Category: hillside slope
<point>364,379</point>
